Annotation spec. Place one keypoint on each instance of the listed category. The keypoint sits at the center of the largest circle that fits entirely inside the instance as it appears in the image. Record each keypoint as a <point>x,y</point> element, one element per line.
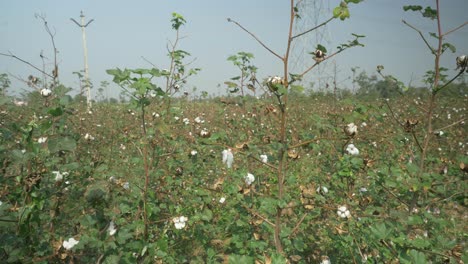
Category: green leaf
<point>61,144</point>
<point>56,111</point>
<point>322,48</point>
<point>380,230</point>
<point>417,257</point>
<point>430,13</point>
<point>449,46</point>
<point>207,215</point>
<point>297,88</point>
<point>412,8</point>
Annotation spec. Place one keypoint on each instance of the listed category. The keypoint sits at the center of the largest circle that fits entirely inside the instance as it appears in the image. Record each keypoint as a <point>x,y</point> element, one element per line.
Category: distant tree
<point>4,83</point>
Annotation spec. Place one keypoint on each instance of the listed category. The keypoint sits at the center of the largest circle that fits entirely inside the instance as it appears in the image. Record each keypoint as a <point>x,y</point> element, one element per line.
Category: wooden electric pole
<point>82,25</point>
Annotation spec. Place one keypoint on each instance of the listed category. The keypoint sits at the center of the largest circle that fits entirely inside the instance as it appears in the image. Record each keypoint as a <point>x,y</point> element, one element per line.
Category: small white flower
<point>71,242</point>
<point>179,222</point>
<point>122,146</point>
<point>155,115</point>
<point>228,158</point>
<point>343,212</point>
<point>126,185</point>
<point>23,151</point>
<point>363,189</point>
<point>264,158</point>
<point>176,118</point>
<point>186,121</point>
<point>222,200</point>
<point>111,229</point>
<point>439,133</point>
<point>352,150</point>
<point>364,124</point>
<point>193,152</point>
<point>46,92</point>
<point>249,179</point>
<point>1,203</point>
<point>199,120</point>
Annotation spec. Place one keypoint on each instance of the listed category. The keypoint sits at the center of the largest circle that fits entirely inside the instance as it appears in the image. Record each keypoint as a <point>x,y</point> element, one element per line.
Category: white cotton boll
<point>228,157</point>
<point>126,185</point>
<point>249,179</point>
<point>264,158</point>
<point>111,229</point>
<point>193,152</point>
<point>179,222</point>
<point>343,212</point>
<point>42,140</point>
<point>186,121</point>
<point>46,92</point>
<point>199,120</point>
<point>352,150</point>
<point>88,137</point>
<point>222,200</point>
<point>58,176</point>
<point>70,243</point>
<point>351,129</point>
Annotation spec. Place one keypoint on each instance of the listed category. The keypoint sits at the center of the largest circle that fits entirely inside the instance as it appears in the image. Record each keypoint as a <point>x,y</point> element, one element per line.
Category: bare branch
<point>257,39</point>
<point>422,36</point>
<point>312,29</point>
<point>455,29</point>
<point>26,62</point>
<point>451,125</point>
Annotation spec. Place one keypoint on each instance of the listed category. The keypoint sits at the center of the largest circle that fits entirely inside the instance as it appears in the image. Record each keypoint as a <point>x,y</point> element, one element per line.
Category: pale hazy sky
<point>124,31</point>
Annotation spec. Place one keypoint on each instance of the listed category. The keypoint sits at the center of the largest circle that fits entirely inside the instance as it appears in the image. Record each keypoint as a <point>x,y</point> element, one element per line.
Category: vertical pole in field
<point>82,25</point>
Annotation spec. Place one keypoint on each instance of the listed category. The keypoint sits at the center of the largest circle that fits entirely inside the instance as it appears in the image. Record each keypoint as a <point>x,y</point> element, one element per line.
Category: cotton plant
<point>228,158</point>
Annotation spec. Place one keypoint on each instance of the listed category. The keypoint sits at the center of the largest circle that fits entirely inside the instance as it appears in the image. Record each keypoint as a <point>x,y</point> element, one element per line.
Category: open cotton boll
<point>228,157</point>
<point>352,150</point>
<point>249,179</point>
<point>111,229</point>
<point>179,222</point>
<point>70,243</point>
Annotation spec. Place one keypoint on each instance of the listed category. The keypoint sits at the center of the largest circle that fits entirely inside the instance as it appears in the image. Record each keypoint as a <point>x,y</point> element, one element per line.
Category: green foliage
<point>247,78</point>
<point>177,21</point>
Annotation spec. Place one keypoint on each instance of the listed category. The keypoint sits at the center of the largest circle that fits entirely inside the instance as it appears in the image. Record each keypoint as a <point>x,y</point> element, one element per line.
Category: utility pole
<point>82,25</point>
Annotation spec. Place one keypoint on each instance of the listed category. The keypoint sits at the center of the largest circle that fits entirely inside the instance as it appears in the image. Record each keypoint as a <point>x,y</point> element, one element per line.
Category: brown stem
<point>256,38</point>
<point>455,29</point>
<point>312,29</point>
<point>26,62</point>
<point>422,36</point>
